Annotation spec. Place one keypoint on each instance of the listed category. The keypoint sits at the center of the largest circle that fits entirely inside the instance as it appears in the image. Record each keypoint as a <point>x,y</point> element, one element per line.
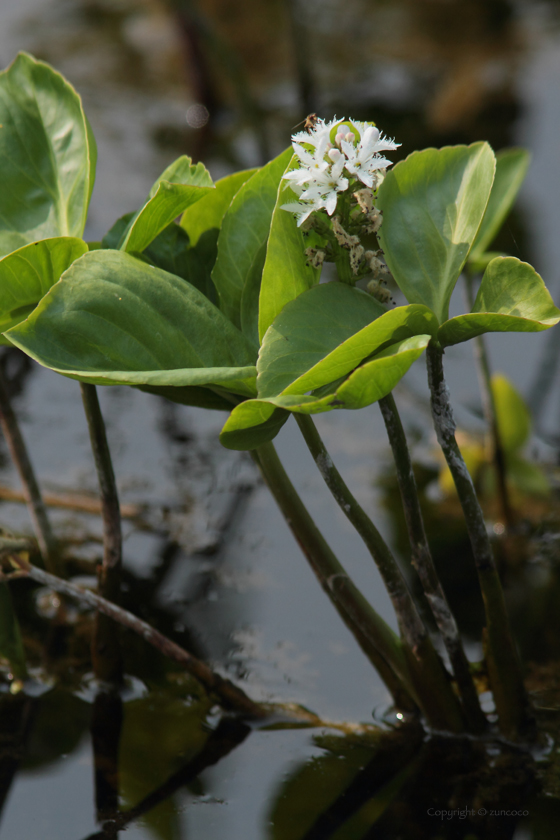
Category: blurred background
<point>227,82</point>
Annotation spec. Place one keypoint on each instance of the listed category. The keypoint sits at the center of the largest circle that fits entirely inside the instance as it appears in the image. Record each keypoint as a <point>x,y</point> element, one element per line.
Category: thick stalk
<point>382,647</point>
<point>489,410</point>
<point>423,563</point>
<point>434,689</point>
<point>230,695</point>
<point>20,457</point>
<point>510,697</point>
<point>106,653</point>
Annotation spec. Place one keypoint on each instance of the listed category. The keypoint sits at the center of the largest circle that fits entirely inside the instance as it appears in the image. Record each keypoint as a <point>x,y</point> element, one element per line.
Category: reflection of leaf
<point>47,155</point>
<point>160,734</point>
<point>11,646</point>
<point>433,203</point>
<point>512,415</point>
<point>60,720</point>
<point>342,793</point>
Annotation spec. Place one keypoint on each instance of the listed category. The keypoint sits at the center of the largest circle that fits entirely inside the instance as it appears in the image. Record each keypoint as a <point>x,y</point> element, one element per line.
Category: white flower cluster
<point>327,169</point>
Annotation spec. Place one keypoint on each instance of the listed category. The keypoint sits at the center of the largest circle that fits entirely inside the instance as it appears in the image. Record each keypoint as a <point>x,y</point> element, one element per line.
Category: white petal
<point>330,204</point>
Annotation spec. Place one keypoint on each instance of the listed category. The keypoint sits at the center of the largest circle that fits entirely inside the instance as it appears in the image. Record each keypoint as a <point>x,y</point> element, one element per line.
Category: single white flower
<point>326,185</point>
<point>363,158</point>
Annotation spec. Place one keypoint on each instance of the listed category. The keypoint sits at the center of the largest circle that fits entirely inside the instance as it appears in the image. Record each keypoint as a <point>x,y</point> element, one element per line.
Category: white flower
<point>363,158</point>
<point>326,185</point>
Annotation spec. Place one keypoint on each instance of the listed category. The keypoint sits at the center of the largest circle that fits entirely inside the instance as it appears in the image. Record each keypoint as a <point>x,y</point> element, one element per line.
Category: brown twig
<point>80,502</point>
<point>230,695</point>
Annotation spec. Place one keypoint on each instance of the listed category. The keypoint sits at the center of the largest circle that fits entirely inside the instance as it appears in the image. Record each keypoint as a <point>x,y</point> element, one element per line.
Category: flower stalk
<point>376,639</point>
<point>423,563</point>
<point>504,667</point>
<point>437,699</point>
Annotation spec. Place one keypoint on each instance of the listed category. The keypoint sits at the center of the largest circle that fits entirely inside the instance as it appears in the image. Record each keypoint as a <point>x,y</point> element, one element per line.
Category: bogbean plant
<point>225,310</point>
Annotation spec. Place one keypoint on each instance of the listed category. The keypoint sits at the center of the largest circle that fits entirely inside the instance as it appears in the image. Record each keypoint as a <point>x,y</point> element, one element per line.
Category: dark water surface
<point>213,563</point>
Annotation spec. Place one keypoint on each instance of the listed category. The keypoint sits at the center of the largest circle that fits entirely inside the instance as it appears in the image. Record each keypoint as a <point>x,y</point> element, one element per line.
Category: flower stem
<point>489,409</point>
<point>20,457</point>
<point>423,563</point>
<point>437,699</point>
<point>510,697</point>
<point>230,695</point>
<point>106,654</point>
<point>379,643</point>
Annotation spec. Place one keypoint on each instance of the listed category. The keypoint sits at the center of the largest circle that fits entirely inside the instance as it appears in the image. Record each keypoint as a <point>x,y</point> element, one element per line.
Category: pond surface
<point>210,558</point>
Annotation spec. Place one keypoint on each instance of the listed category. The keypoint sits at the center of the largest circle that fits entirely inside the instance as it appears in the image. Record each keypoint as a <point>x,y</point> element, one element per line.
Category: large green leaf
<point>26,275</point>
<point>326,332</point>
<point>11,645</point>
<point>181,185</point>
<point>210,211</point>
<point>512,298</point>
<point>245,227</point>
<point>112,319</point>
<point>367,384</point>
<point>286,273</point>
<point>433,203</point>
<point>47,155</point>
<point>511,168</point>
<point>171,251</point>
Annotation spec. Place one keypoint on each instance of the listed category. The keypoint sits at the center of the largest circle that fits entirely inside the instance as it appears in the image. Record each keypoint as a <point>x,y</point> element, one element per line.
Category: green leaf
<point>367,384</point>
<point>211,209</point>
<point>286,273</point>
<point>245,227</point>
<point>26,275</point>
<point>512,415</point>
<point>199,397</point>
<point>512,298</point>
<point>171,252</point>
<point>112,319</point>
<point>247,430</point>
<point>181,185</point>
<point>433,203</point>
<point>250,297</point>
<point>511,168</point>
<point>326,332</point>
<point>11,645</point>
<point>47,155</point>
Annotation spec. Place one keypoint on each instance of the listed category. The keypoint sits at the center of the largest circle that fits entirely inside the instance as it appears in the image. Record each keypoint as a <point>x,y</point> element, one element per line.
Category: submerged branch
<point>510,697</point>
<point>423,563</point>
<point>230,695</point>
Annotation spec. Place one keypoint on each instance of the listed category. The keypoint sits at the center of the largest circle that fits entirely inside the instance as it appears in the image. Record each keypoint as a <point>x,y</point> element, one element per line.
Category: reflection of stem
<point>489,409</point>
<point>20,457</point>
<point>106,654</point>
<point>382,647</point>
<point>436,695</point>
<point>230,695</point>
<point>504,668</point>
<point>423,563</point>
<point>106,725</point>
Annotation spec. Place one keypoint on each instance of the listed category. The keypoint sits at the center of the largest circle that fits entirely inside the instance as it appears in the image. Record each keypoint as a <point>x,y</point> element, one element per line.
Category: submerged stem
<point>489,409</point>
<point>432,683</point>
<point>20,457</point>
<point>106,654</point>
<point>423,563</point>
<point>382,647</point>
<point>510,697</point>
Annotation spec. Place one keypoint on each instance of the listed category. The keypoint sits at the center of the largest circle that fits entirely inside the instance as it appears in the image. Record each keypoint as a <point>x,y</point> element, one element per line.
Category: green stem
<point>437,699</point>
<point>382,647</point>
<point>423,563</point>
<point>510,697</point>
<point>489,409</point>
<point>106,654</point>
<point>22,461</point>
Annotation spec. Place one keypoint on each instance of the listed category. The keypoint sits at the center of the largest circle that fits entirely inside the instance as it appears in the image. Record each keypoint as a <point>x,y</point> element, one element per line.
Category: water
<point>218,567</point>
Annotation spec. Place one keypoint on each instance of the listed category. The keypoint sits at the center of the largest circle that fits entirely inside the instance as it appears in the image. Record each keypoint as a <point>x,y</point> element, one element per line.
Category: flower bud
<point>334,154</point>
<point>350,137</point>
<point>339,138</point>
